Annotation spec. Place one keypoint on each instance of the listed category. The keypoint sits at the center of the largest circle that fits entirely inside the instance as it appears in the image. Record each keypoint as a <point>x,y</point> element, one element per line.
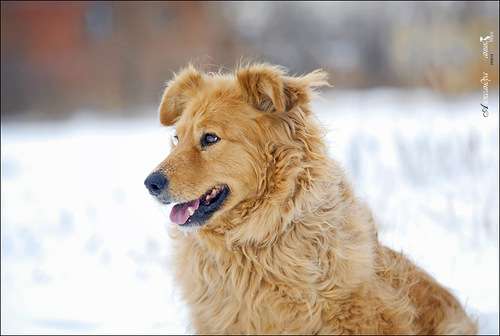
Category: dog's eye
<point>208,139</point>
<point>175,140</point>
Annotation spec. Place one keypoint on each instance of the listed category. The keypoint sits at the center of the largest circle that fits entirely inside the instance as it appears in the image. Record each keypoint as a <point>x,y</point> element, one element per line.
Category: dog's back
<point>437,311</point>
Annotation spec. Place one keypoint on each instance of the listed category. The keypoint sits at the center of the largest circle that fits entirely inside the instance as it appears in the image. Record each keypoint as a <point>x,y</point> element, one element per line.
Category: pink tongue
<point>180,213</point>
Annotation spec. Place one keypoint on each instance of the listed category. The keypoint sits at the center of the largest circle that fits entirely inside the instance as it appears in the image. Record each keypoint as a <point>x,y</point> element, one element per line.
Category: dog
<point>277,241</point>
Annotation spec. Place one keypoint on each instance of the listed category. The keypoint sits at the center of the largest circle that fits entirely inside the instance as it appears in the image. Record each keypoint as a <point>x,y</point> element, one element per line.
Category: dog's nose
<point>155,183</point>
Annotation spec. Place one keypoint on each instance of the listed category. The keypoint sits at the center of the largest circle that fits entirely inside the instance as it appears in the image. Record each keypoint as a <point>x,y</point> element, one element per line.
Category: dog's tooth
<point>190,211</point>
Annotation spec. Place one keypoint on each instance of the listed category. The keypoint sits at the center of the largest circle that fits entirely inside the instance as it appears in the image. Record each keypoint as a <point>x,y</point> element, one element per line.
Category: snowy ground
<point>85,250</point>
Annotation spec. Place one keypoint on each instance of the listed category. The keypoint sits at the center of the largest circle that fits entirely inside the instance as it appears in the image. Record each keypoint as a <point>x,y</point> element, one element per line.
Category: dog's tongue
<point>181,212</point>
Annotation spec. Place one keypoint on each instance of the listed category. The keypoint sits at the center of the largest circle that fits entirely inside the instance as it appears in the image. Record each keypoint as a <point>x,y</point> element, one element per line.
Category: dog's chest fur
<point>234,292</point>
<point>287,287</point>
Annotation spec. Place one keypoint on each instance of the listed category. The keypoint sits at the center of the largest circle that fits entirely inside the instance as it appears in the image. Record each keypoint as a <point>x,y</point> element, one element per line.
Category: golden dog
<point>279,243</point>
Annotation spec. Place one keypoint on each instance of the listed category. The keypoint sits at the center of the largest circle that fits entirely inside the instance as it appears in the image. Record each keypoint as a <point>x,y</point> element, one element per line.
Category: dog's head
<point>239,144</point>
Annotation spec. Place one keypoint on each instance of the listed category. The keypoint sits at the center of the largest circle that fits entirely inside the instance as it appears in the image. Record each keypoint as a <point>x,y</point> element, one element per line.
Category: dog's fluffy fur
<point>292,250</point>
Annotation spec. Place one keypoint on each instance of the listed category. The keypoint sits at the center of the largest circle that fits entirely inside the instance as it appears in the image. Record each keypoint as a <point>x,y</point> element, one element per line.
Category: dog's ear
<point>262,87</point>
<point>300,90</point>
<point>178,92</point>
<point>268,88</point>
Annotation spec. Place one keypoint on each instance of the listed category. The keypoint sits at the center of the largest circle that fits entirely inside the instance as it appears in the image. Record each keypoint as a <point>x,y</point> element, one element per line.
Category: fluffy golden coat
<point>292,251</point>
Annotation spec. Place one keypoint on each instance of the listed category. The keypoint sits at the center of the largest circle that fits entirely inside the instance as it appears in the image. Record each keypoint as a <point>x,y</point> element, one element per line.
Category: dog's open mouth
<point>197,211</point>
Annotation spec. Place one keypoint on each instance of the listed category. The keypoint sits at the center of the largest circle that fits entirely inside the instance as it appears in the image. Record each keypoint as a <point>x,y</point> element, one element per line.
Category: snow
<point>85,250</point>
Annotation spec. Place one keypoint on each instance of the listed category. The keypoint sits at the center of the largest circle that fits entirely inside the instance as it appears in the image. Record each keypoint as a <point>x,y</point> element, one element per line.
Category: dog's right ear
<point>178,92</point>
<point>262,86</point>
<point>268,88</point>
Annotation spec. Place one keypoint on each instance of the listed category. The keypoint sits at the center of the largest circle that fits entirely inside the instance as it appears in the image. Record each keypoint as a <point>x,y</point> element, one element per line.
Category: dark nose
<point>155,183</point>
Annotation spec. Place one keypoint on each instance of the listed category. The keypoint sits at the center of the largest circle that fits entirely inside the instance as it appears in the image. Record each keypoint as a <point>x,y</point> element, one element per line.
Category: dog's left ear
<point>179,91</point>
<point>268,88</point>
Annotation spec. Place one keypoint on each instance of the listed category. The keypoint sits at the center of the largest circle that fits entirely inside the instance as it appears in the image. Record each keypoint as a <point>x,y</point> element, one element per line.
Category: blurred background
<point>85,249</point>
<point>112,57</point>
